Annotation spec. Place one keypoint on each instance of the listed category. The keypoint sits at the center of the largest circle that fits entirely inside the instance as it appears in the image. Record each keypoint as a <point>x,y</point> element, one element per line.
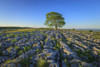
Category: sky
<point>78,14</point>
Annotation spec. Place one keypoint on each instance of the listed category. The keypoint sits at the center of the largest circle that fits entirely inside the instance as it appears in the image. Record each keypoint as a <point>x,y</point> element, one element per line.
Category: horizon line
<point>48,27</point>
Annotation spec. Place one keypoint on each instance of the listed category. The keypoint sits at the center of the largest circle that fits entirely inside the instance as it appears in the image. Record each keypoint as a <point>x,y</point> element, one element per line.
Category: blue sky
<point>77,13</point>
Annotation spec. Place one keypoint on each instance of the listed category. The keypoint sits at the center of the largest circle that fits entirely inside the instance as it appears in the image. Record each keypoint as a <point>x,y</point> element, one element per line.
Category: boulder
<point>0,61</point>
<point>47,50</point>
<point>19,65</point>
<point>31,65</point>
<point>64,55</point>
<point>51,61</point>
<point>51,65</point>
<point>6,53</point>
<point>54,65</point>
<point>5,44</point>
<point>11,65</point>
<point>85,64</point>
<point>38,44</point>
<point>71,54</point>
<point>75,65</point>
<point>3,58</point>
<point>50,58</point>
<point>57,37</point>
<point>34,59</point>
<point>64,63</point>
<point>48,47</point>
<point>75,61</point>
<point>51,55</point>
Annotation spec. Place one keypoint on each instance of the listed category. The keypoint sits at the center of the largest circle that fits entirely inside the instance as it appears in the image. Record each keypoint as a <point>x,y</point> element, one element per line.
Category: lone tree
<point>54,19</point>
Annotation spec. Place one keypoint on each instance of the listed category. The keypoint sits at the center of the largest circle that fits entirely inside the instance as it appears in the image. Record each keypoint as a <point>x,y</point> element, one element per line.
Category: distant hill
<point>88,29</point>
<point>1,28</point>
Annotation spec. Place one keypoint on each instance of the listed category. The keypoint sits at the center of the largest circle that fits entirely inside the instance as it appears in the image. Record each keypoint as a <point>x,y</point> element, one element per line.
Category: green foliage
<point>27,48</point>
<point>8,35</point>
<point>68,64</point>
<point>54,19</point>
<point>81,45</point>
<point>37,50</point>
<point>25,62</point>
<point>37,36</point>
<point>25,34</point>
<point>99,53</point>
<point>15,35</point>
<point>9,49</point>
<point>73,29</point>
<point>87,54</point>
<point>65,60</point>
<point>20,52</point>
<point>80,66</point>
<point>18,49</point>
<point>42,63</point>
<point>9,61</point>
<point>90,31</point>
<point>57,47</point>
<point>42,46</point>
<point>0,34</point>
<point>96,35</point>
<point>14,40</point>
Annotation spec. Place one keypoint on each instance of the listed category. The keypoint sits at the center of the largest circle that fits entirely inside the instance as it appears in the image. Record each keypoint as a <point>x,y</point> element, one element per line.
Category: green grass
<point>9,61</point>
<point>80,65</point>
<point>42,63</point>
<point>57,47</point>
<point>68,64</point>
<point>87,54</point>
<point>27,48</point>
<point>22,51</point>
<point>9,49</point>
<point>17,48</point>
<point>37,50</point>
<point>26,30</point>
<point>14,40</point>
<point>25,62</point>
<point>96,35</point>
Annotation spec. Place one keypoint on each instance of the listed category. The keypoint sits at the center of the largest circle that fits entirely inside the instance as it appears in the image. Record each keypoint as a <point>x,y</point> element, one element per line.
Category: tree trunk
<point>56,27</point>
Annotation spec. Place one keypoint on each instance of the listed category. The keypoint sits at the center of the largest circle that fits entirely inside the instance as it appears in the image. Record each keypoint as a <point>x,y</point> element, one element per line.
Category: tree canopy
<point>54,19</point>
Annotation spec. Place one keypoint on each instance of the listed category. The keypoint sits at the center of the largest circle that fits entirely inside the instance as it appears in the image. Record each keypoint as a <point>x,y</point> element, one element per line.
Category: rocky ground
<point>49,49</point>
